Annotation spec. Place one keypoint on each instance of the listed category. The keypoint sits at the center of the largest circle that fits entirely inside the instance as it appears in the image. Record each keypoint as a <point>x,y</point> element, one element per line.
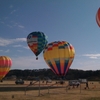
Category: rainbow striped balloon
<point>98,17</point>
<point>5,65</point>
<point>59,56</point>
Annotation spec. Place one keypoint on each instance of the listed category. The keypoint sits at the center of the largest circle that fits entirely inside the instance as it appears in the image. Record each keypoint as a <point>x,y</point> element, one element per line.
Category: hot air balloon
<point>36,42</point>
<point>98,17</point>
<point>59,56</point>
<point>5,65</point>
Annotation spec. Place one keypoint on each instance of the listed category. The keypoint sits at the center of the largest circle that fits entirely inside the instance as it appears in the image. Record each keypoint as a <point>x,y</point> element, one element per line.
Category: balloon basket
<point>36,58</point>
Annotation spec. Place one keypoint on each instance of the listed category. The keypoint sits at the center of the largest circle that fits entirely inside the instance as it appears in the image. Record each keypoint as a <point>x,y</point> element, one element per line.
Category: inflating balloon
<point>36,42</point>
<point>98,17</point>
<point>59,56</point>
<point>5,65</point>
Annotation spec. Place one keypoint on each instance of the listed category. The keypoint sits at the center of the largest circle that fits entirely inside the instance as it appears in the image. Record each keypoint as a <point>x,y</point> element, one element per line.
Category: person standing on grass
<point>87,86</point>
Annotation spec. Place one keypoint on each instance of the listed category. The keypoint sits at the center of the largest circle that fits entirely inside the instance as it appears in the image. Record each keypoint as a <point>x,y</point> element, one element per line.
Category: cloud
<point>20,26</point>
<point>89,65</point>
<point>5,18</point>
<point>5,42</point>
<point>19,50</point>
<point>19,40</point>
<point>92,56</point>
<point>26,47</point>
<point>7,50</point>
<point>15,24</point>
<point>84,64</point>
<point>28,62</point>
<point>1,50</point>
<point>11,6</point>
<point>2,22</point>
<point>13,11</point>
<point>9,26</point>
<point>17,46</point>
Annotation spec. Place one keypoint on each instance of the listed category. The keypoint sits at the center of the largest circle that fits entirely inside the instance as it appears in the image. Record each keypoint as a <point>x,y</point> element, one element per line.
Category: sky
<point>73,21</point>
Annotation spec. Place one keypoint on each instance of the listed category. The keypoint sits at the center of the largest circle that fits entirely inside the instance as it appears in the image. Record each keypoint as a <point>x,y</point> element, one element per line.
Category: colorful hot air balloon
<point>5,65</point>
<point>36,42</point>
<point>59,56</point>
<point>98,17</point>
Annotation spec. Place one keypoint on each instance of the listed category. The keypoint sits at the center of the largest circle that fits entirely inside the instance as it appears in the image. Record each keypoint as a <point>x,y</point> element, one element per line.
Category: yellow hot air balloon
<point>59,56</point>
<point>5,65</point>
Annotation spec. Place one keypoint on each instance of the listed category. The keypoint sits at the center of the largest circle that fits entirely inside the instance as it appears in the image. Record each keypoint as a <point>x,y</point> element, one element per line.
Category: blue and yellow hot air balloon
<point>36,42</point>
<point>59,56</point>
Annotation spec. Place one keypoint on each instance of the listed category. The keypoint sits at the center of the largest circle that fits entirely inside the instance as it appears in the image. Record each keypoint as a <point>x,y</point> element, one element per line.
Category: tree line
<point>72,74</point>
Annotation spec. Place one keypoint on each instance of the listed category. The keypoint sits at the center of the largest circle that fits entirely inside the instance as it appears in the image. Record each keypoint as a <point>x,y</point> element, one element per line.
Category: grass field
<point>93,93</point>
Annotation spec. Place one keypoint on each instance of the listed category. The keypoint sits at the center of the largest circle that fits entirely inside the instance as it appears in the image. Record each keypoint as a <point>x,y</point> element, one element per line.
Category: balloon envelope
<point>36,42</point>
<point>5,65</point>
<point>59,56</point>
<point>98,17</point>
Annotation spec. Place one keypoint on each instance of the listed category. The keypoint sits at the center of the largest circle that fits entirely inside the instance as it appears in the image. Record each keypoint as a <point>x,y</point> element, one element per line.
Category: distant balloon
<point>5,65</point>
<point>98,17</point>
<point>59,56</point>
<point>36,42</point>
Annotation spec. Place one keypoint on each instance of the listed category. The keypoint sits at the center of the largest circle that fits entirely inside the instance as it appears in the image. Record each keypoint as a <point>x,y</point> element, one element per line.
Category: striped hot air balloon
<point>98,17</point>
<point>36,42</point>
<point>5,65</point>
<point>59,56</point>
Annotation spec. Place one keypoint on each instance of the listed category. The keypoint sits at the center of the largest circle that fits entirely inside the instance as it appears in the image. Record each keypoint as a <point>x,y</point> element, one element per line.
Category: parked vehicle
<point>49,81</point>
<point>19,81</point>
<point>74,83</point>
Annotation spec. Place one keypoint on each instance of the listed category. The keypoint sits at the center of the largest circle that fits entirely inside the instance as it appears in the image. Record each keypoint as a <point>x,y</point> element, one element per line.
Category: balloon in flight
<point>98,17</point>
<point>5,65</point>
<point>59,56</point>
<point>36,42</point>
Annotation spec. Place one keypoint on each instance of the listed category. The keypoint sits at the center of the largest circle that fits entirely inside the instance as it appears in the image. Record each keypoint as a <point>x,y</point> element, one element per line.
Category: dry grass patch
<point>91,98</point>
<point>93,93</point>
